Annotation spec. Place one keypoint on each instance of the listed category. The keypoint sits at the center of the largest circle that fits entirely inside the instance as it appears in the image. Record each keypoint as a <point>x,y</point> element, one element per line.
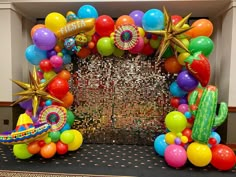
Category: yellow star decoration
<point>34,90</point>
<point>171,34</point>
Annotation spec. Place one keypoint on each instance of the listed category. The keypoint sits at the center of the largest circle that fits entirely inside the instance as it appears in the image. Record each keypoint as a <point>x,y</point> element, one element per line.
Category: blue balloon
<point>34,55</point>
<point>216,136</point>
<point>175,90</point>
<point>66,127</point>
<point>66,59</point>
<point>153,19</point>
<point>87,11</point>
<point>160,145</point>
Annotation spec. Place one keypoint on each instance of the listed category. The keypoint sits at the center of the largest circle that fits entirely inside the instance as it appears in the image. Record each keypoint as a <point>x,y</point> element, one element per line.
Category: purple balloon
<point>51,53</point>
<point>44,39</point>
<point>187,81</point>
<point>137,16</point>
<point>27,105</point>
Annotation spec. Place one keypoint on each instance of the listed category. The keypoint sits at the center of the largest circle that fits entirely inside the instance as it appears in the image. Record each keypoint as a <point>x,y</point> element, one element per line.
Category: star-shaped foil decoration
<point>34,90</point>
<point>171,34</point>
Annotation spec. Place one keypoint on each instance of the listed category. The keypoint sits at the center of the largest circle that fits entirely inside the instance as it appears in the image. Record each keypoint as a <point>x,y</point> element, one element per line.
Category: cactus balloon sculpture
<point>205,113</point>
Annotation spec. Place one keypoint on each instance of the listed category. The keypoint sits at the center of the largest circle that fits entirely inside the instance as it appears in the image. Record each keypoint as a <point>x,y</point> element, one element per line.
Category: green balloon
<point>67,136</point>
<point>55,136</point>
<point>118,52</point>
<point>70,117</point>
<point>105,46</point>
<point>21,151</point>
<point>168,53</point>
<point>201,44</point>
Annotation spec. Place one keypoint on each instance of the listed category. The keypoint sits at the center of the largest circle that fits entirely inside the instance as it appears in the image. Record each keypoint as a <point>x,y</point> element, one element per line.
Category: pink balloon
<point>175,156</point>
<point>138,47</point>
<point>56,61</point>
<point>183,108</point>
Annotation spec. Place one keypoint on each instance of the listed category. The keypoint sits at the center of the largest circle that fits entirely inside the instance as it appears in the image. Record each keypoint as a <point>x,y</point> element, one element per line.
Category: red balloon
<point>61,148</point>
<point>147,49</point>
<point>45,65</point>
<point>174,102</point>
<point>212,141</point>
<point>104,25</point>
<point>175,19</point>
<point>223,157</point>
<point>188,133</point>
<point>58,87</point>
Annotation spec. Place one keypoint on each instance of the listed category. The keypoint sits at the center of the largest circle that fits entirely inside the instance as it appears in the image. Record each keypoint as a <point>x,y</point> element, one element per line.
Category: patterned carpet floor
<point>101,159</point>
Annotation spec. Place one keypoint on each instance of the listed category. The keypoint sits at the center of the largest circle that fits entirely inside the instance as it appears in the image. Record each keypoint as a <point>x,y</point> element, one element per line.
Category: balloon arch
<point>45,127</point>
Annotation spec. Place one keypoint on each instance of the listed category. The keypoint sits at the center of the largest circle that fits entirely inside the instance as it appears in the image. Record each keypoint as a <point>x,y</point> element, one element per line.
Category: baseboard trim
<point>6,104</point>
<point>232,109</point>
<point>232,146</point>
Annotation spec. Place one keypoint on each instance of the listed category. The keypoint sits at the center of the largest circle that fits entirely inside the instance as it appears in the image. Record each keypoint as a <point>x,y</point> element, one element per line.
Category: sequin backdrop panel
<point>120,100</point>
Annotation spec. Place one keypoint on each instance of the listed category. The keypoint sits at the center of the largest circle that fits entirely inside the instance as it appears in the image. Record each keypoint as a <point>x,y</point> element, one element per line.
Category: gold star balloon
<point>34,90</point>
<point>171,34</point>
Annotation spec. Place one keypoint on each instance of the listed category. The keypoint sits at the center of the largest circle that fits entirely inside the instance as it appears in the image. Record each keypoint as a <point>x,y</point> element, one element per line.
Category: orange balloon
<point>84,52</point>
<point>201,27</point>
<point>64,74</point>
<point>124,20</point>
<point>34,147</point>
<point>35,27</point>
<point>48,150</point>
<point>200,90</point>
<point>172,65</point>
<point>67,100</point>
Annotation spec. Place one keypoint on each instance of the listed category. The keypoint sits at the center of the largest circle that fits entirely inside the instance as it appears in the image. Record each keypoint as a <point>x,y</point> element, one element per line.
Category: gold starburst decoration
<point>171,34</point>
<point>34,90</point>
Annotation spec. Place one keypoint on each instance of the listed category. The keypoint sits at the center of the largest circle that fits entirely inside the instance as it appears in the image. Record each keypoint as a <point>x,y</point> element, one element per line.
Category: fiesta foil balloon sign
<point>75,27</point>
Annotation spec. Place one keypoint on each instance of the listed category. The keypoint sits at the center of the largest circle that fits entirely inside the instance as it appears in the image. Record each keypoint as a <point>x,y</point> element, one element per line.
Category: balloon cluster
<point>191,127</point>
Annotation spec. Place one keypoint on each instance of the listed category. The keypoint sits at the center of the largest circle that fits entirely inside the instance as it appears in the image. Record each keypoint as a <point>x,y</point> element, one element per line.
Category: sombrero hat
<point>25,131</point>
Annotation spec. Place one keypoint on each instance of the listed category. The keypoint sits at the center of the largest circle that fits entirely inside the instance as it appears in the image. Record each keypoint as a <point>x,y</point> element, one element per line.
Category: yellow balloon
<point>182,56</point>
<point>54,21</point>
<point>77,142</point>
<point>48,75</point>
<point>184,139</point>
<point>199,154</point>
<point>170,138</point>
<point>141,32</point>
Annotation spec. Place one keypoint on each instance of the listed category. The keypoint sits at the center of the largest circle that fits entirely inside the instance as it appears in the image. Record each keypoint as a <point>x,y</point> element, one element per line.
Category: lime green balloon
<point>175,121</point>
<point>105,46</point>
<point>49,75</point>
<point>155,43</point>
<point>70,117</point>
<point>67,136</point>
<point>118,52</point>
<point>185,41</point>
<point>55,136</point>
<point>201,44</point>
<point>21,151</point>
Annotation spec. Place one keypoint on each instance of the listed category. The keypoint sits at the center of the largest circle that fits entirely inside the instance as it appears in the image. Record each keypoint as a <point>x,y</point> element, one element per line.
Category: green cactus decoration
<point>205,113</point>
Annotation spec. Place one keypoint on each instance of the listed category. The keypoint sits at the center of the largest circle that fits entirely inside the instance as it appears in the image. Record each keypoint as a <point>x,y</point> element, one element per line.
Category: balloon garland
<point>184,49</point>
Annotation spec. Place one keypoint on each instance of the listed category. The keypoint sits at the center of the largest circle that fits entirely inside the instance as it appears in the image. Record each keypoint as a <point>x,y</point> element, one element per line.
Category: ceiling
<point>115,8</point>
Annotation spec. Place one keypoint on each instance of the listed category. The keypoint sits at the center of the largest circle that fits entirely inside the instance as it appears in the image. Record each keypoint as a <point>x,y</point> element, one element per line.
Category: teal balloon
<point>160,145</point>
<point>34,55</point>
<point>105,46</point>
<point>201,44</point>
<point>55,136</point>
<point>70,117</point>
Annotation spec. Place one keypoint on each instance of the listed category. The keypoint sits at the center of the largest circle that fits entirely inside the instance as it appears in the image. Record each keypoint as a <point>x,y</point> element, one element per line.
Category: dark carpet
<point>100,159</point>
